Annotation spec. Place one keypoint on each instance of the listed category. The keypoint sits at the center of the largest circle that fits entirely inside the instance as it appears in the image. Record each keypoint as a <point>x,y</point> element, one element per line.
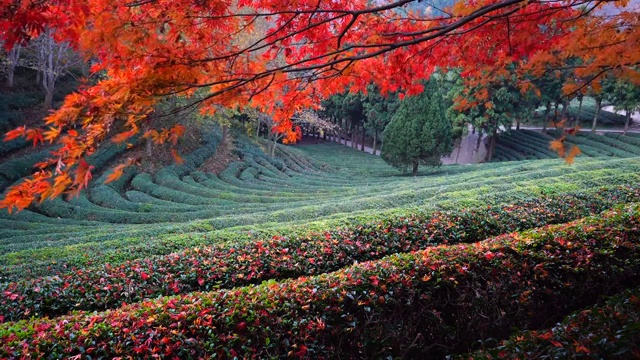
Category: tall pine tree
<point>419,132</point>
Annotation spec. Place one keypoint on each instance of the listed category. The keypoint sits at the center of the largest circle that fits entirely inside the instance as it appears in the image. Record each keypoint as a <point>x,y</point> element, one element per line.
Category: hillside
<point>307,219</point>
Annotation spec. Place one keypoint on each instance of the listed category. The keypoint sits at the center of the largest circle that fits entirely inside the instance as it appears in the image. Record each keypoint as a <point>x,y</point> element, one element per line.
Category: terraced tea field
<point>320,252</point>
<point>533,145</point>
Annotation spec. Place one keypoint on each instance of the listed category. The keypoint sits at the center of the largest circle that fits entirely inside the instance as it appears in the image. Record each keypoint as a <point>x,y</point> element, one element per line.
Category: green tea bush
<point>393,307</point>
<point>606,331</point>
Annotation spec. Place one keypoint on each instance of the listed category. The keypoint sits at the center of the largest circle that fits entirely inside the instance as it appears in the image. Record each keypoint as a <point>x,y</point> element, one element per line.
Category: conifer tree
<point>419,132</point>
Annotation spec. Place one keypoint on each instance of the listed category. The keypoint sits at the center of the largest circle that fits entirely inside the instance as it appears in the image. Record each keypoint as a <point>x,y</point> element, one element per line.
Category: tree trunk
<point>273,148</point>
<point>375,141</point>
<point>48,98</point>
<point>149,148</point>
<point>517,124</point>
<point>12,57</point>
<point>492,146</point>
<point>627,121</point>
<point>595,118</point>
<point>545,119</point>
<point>565,112</point>
<point>414,171</point>
<point>555,115</point>
<point>225,133</point>
<point>48,74</point>
<point>10,78</point>
<point>492,150</point>
<point>579,111</point>
<point>354,138</point>
<point>479,141</point>
<point>364,133</point>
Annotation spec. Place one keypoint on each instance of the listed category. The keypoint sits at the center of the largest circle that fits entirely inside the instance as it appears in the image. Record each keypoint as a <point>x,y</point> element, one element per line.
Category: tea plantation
<point>324,252</point>
<point>532,145</point>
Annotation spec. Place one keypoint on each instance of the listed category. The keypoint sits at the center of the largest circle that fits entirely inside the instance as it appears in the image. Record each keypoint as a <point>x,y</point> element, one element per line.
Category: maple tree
<point>303,52</point>
<point>489,106</point>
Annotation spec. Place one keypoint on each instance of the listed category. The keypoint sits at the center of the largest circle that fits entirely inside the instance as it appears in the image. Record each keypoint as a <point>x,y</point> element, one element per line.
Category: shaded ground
<point>223,157</point>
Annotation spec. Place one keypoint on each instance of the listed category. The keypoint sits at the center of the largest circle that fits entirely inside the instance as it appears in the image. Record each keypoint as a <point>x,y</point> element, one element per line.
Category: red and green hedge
<point>608,331</point>
<point>232,265</point>
<point>415,305</point>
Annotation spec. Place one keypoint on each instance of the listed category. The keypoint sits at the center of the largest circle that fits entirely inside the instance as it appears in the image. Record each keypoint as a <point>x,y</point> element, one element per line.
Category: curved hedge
<point>416,305</point>
<point>35,252</point>
<point>607,331</point>
<point>522,144</point>
<point>211,267</point>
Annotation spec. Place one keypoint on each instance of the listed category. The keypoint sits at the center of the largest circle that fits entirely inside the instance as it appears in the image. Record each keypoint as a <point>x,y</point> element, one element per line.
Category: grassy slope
<point>305,190</point>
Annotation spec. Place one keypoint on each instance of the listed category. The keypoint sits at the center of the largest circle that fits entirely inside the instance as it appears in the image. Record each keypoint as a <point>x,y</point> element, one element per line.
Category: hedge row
<point>469,189</point>
<point>416,305</point>
<point>176,184</point>
<point>587,150</point>
<point>39,251</point>
<point>236,264</point>
<point>611,142</point>
<point>532,140</point>
<point>588,111</point>
<point>378,199</point>
<point>627,139</point>
<point>510,154</point>
<point>607,331</point>
<point>102,195</point>
<point>18,167</point>
<point>526,148</point>
<point>525,144</point>
<point>607,150</point>
<point>7,147</point>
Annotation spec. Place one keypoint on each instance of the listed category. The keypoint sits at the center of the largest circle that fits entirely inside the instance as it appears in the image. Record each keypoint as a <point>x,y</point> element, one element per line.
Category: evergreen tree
<point>419,132</point>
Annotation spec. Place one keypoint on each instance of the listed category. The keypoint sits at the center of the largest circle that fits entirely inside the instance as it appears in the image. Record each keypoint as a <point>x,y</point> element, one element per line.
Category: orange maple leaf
<point>83,175</point>
<point>558,146</point>
<point>60,185</point>
<point>15,133</point>
<point>575,151</point>
<point>116,173</point>
<point>124,135</point>
<point>175,133</point>
<point>52,134</point>
<point>176,157</point>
